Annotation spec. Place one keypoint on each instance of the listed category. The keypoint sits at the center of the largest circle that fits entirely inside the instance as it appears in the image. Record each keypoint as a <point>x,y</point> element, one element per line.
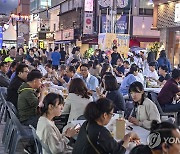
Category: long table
<point>141,132</point>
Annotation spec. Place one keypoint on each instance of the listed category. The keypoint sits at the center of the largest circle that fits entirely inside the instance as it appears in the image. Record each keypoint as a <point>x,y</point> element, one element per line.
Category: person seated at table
<point>112,93</point>
<point>164,75</point>
<point>126,67</point>
<point>71,74</point>
<point>4,79</point>
<point>51,74</point>
<point>62,75</point>
<point>129,79</point>
<point>95,69</point>
<point>106,67</point>
<point>90,80</point>
<point>167,132</point>
<point>47,131</point>
<point>152,74</point>
<point>119,69</point>
<point>145,111</point>
<point>94,137</point>
<point>77,99</point>
<point>20,77</point>
<point>169,92</point>
<point>28,100</point>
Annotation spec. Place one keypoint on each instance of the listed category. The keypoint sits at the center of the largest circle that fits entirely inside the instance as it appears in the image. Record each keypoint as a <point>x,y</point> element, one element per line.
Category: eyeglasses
<point>112,114</point>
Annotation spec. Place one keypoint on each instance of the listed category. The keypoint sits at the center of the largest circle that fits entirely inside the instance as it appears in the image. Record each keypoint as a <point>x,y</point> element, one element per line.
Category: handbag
<point>97,151</point>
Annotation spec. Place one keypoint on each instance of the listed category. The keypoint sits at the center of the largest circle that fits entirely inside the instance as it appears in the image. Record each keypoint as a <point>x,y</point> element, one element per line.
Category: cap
<point>8,59</point>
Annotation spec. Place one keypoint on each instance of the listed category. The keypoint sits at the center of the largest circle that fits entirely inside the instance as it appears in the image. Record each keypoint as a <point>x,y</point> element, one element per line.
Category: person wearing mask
<point>93,136</point>
<point>162,60</point>
<point>56,57</point>
<point>128,80</point>
<point>145,111</point>
<point>28,100</point>
<point>4,79</point>
<point>47,131</point>
<point>20,77</point>
<point>167,142</point>
<point>77,91</point>
<point>115,56</point>
<point>169,92</point>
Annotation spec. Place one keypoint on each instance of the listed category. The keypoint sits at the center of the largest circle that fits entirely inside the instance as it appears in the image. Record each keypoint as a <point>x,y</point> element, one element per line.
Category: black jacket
<point>117,99</point>
<point>12,94</point>
<point>101,139</point>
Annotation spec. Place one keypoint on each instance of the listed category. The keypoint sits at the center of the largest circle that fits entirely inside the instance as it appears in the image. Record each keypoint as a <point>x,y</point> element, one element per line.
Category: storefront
<point>65,39</point>
<point>167,21</point>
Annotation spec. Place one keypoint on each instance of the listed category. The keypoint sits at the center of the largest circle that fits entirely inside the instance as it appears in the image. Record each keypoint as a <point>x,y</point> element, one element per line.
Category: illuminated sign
<point>177,13</point>
<point>88,5</point>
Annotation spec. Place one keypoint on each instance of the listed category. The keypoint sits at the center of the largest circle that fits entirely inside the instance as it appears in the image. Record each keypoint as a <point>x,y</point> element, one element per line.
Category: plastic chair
<point>81,117</point>
<point>61,121</point>
<point>8,126</point>
<point>153,96</point>
<point>38,143</point>
<point>19,133</point>
<point>3,107</point>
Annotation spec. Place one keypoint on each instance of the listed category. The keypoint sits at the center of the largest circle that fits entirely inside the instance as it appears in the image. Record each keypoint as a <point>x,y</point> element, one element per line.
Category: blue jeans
<point>172,108</point>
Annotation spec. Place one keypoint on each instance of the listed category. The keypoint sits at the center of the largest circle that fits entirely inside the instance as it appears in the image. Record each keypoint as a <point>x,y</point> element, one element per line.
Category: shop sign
<point>177,12</point>
<point>88,23</point>
<point>58,36</point>
<point>68,34</point>
<point>88,6</point>
<point>1,37</point>
<point>41,44</point>
<point>50,36</point>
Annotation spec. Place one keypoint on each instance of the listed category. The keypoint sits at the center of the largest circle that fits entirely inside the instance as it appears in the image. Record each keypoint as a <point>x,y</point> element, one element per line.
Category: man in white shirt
<point>152,74</point>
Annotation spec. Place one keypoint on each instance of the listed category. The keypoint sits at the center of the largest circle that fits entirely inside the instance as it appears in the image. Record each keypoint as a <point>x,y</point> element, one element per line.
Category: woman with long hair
<point>77,99</point>
<point>48,133</point>
<point>145,111</point>
<point>111,87</point>
<point>95,69</point>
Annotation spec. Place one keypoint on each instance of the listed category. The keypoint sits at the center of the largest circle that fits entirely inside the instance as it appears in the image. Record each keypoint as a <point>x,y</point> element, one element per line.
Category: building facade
<point>167,21</point>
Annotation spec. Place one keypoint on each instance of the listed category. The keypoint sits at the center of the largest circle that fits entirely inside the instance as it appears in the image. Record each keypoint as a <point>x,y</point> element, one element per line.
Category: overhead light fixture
<point>150,2</point>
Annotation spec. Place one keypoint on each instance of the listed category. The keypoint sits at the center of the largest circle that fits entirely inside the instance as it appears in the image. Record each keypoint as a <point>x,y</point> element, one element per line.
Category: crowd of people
<point>94,91</point>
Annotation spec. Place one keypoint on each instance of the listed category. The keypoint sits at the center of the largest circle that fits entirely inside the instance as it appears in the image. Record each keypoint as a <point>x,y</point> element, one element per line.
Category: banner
<point>88,5</point>
<point>106,24</point>
<point>107,40</point>
<point>1,37</point>
<point>88,23</point>
<point>121,24</point>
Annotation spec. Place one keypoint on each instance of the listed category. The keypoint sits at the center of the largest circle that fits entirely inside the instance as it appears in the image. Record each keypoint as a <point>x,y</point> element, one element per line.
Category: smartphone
<point>77,126</point>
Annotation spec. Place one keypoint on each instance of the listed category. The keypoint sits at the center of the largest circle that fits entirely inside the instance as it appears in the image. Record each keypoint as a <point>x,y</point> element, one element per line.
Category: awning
<point>64,41</point>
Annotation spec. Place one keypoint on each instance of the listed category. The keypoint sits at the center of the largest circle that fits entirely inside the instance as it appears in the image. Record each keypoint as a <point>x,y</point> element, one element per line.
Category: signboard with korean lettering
<point>88,23</point>
<point>88,5</point>
<point>68,34</point>
<point>1,37</point>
